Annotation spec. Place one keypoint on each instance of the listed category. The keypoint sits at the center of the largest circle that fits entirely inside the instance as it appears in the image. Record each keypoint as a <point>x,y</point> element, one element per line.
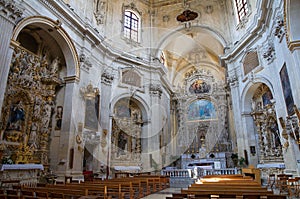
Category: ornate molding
<point>100,11</point>
<point>279,30</point>
<point>269,52</point>
<point>10,10</point>
<point>155,89</point>
<point>107,78</point>
<point>233,80</point>
<point>89,92</point>
<point>84,62</point>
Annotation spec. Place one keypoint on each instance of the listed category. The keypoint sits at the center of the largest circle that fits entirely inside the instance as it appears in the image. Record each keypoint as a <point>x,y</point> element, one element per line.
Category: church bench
<point>120,188</point>
<point>145,185</point>
<point>229,183</point>
<point>242,186</point>
<point>155,183</point>
<point>102,189</point>
<point>67,192</point>
<point>226,191</point>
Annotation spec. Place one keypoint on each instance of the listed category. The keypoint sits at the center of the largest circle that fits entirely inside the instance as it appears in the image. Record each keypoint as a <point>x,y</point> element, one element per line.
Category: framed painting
<point>201,110</point>
<point>91,114</point>
<point>287,91</point>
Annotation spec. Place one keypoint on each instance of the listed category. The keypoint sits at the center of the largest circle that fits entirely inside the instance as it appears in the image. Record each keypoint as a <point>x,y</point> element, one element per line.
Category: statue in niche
<point>58,117</point>
<point>47,111</point>
<point>37,107</point>
<point>99,11</point>
<point>33,135</point>
<point>54,66</point>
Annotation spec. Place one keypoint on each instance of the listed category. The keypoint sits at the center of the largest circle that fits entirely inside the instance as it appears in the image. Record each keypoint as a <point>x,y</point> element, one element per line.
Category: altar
<point>20,174</point>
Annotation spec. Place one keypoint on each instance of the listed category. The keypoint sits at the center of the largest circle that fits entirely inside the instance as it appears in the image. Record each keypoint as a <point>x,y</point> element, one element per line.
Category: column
<point>67,147</point>
<point>155,130</point>
<point>105,118</point>
<point>9,13</point>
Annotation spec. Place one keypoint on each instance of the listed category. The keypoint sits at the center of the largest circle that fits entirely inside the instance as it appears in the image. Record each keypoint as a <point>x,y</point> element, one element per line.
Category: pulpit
<point>20,174</point>
<point>253,172</point>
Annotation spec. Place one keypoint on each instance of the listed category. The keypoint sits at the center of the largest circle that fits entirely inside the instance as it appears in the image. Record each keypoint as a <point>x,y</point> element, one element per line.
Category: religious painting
<point>287,91</point>
<point>16,117</point>
<point>199,86</point>
<point>91,117</point>
<point>15,126</point>
<point>122,108</point>
<point>126,108</point>
<point>201,110</point>
<point>267,97</point>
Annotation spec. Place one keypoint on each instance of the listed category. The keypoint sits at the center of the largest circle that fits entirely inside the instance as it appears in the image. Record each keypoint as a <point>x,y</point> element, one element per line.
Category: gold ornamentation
<point>78,139</point>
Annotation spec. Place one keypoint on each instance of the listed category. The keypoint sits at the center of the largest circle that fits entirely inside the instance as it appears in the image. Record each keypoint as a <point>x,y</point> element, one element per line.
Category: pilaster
<point>9,14</point>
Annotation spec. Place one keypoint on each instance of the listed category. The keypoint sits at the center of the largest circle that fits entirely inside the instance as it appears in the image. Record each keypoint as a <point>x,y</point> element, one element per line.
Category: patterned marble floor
<point>163,194</point>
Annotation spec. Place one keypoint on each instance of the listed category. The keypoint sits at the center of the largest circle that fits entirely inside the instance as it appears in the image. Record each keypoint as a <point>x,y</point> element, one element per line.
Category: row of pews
<point>226,186</point>
<point>122,188</point>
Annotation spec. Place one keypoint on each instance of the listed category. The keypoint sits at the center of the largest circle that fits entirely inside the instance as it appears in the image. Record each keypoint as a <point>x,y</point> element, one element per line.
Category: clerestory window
<point>131,26</point>
<point>241,9</point>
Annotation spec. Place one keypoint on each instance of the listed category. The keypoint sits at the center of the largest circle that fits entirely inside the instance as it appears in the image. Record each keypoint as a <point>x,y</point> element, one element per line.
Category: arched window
<point>131,25</point>
<point>241,9</point>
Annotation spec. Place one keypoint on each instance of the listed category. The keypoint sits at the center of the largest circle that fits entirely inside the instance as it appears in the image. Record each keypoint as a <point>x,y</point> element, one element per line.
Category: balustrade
<point>188,173</point>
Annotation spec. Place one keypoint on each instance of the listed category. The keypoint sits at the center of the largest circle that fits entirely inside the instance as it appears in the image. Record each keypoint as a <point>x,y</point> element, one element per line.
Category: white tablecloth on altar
<point>127,168</point>
<point>271,165</point>
<point>21,166</point>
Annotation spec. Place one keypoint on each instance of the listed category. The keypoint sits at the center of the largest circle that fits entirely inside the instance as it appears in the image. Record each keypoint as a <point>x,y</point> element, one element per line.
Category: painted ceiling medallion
<point>187,15</point>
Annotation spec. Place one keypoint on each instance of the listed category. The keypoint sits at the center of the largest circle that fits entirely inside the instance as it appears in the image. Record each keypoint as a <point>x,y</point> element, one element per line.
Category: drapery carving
<point>29,105</point>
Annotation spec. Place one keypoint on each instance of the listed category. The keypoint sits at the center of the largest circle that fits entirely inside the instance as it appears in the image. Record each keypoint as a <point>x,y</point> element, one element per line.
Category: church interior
<point>94,89</point>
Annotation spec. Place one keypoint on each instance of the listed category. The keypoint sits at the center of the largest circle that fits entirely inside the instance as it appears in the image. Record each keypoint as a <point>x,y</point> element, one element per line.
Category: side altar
<point>20,174</point>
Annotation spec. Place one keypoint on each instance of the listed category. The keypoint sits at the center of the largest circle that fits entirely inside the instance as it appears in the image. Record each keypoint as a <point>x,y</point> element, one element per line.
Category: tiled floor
<point>163,194</point>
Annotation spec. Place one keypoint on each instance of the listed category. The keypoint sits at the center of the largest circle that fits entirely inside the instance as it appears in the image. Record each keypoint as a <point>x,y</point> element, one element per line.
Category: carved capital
<point>155,89</point>
<point>107,78</point>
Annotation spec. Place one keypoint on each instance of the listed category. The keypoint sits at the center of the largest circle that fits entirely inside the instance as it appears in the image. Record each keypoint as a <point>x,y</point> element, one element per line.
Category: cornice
<point>253,31</point>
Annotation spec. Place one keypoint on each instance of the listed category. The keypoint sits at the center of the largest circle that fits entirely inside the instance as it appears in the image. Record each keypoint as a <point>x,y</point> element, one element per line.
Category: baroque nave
<point>106,87</point>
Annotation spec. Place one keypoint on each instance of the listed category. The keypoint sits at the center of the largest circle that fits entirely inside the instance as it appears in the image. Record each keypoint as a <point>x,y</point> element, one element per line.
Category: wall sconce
<point>62,162</point>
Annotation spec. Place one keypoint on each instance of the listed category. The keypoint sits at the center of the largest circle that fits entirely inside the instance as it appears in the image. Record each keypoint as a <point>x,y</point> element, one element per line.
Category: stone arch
<point>178,31</point>
<point>60,35</point>
<point>249,91</point>
<point>137,99</point>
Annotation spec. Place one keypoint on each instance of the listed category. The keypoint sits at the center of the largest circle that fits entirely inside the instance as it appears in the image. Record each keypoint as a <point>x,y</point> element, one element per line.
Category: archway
<point>126,149</point>
<point>43,58</point>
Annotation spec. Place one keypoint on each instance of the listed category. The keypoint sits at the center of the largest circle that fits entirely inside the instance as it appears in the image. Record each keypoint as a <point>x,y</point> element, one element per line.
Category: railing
<point>184,173</point>
<point>227,171</point>
<point>189,173</point>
